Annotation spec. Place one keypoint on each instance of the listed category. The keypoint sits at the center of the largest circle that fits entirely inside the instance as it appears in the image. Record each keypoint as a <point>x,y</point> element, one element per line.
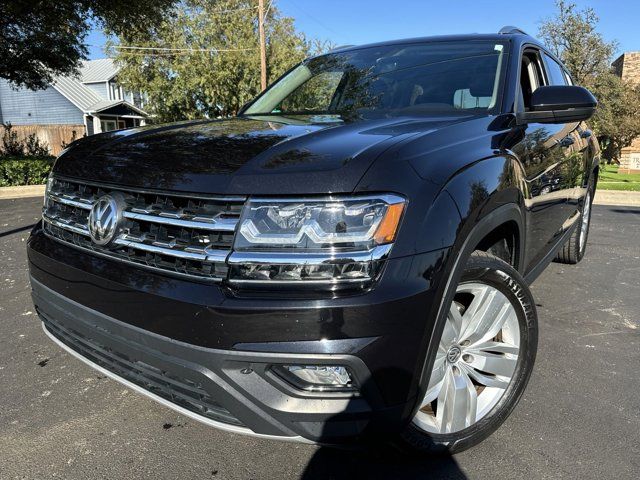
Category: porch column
<point>97,127</point>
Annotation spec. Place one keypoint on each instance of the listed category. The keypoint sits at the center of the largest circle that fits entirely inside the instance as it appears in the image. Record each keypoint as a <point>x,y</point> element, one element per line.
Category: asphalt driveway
<point>580,416</point>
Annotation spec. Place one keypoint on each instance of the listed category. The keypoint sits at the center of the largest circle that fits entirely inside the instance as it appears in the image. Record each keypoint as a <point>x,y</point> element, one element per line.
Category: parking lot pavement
<point>579,418</point>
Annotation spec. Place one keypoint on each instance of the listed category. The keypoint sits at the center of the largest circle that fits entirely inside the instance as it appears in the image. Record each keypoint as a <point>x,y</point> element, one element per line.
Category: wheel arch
<point>484,213</point>
<point>504,215</point>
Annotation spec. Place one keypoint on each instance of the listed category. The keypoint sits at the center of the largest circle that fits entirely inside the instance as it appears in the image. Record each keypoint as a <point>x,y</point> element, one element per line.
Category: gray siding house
<point>92,103</point>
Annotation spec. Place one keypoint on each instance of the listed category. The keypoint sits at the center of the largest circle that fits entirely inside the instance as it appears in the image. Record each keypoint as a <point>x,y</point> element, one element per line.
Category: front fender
<point>487,194</point>
<point>477,199</point>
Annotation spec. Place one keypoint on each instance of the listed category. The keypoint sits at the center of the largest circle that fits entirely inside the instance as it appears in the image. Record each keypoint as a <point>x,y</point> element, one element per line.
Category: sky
<point>349,22</point>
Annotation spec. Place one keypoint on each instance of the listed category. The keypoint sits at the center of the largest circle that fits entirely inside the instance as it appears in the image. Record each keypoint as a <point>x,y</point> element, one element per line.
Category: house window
<point>115,92</point>
<point>108,125</point>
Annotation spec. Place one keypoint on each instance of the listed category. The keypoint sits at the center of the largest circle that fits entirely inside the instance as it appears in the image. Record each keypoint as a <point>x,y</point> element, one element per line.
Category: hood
<point>243,155</point>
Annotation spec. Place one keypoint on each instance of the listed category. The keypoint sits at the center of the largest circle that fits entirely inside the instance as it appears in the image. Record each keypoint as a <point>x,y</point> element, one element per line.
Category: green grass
<point>610,173</point>
<point>626,187</point>
<point>610,179</point>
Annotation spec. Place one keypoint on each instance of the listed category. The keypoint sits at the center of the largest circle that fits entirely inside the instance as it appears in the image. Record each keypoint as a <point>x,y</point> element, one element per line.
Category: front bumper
<point>207,355</point>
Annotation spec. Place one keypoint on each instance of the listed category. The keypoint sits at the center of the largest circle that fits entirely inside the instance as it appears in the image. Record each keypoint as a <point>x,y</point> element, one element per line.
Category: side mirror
<point>559,104</point>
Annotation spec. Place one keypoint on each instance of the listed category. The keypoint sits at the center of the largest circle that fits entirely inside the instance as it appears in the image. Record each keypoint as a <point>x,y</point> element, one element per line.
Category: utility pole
<point>263,46</point>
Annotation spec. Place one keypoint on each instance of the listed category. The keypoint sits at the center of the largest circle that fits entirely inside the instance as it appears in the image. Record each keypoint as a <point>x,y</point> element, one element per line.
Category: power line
<point>268,8</point>
<point>171,49</point>
<point>162,54</point>
<point>167,51</point>
<point>235,9</point>
<point>297,6</point>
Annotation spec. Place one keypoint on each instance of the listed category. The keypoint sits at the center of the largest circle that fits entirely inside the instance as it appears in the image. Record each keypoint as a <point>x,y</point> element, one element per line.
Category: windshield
<point>390,80</point>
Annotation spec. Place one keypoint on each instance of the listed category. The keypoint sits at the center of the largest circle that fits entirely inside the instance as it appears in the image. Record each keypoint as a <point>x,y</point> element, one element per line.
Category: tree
<point>203,59</point>
<point>617,119</point>
<point>41,39</point>
<point>572,36</point>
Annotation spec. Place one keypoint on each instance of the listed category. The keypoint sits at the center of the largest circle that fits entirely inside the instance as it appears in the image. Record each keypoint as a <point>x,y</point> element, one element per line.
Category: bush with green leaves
<point>23,162</point>
<point>33,147</point>
<point>11,144</point>
<point>24,171</point>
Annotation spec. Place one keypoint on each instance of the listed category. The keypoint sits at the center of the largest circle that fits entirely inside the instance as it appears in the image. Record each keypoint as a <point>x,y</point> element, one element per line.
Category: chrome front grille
<point>184,235</point>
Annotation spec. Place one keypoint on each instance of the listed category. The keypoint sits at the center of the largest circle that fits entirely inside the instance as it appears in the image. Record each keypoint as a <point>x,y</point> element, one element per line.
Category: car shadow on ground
<point>378,463</point>
<point>626,210</point>
<point>378,458</point>
<point>17,230</point>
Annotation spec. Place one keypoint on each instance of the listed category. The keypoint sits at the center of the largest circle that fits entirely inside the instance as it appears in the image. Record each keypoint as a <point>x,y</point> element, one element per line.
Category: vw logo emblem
<point>104,218</point>
<point>453,354</point>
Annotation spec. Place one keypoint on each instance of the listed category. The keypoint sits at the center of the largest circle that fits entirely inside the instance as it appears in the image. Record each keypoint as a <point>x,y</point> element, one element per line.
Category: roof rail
<point>511,29</point>
<point>340,47</point>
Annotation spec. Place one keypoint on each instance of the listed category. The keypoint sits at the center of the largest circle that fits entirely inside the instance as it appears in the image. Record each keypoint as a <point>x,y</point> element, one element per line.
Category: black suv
<point>348,258</point>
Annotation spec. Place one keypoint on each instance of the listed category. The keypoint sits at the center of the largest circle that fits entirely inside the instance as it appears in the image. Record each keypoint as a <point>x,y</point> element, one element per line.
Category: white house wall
<point>100,88</point>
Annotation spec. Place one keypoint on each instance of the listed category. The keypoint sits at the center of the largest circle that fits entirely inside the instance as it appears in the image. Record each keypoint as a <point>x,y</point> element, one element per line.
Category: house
<point>627,67</point>
<point>71,107</point>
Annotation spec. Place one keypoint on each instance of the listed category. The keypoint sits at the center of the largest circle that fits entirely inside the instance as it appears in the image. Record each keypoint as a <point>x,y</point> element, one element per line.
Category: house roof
<point>106,104</point>
<point>83,97</point>
<point>101,70</point>
<point>77,93</point>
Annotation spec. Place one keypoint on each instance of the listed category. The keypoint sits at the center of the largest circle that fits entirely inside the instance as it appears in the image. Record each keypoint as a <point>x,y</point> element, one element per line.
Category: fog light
<point>317,377</point>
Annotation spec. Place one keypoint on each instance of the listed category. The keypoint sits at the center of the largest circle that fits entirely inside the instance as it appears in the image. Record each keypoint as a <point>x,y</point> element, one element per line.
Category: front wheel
<point>484,360</point>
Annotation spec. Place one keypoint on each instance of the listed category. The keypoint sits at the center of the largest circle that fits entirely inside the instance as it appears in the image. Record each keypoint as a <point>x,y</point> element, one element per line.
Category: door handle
<point>585,133</point>
<point>567,142</point>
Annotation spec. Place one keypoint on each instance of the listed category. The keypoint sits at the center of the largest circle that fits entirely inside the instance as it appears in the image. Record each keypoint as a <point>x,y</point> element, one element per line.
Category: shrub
<point>11,145</point>
<point>74,137</point>
<point>33,147</point>
<point>24,171</point>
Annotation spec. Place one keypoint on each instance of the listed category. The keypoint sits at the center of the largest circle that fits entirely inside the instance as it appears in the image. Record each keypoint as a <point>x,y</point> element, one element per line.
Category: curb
<point>22,192</point>
<point>616,197</point>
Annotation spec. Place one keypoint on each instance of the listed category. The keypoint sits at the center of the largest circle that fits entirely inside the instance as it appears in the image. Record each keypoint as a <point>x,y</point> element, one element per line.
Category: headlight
<point>315,225</point>
<point>331,240</point>
<point>47,188</point>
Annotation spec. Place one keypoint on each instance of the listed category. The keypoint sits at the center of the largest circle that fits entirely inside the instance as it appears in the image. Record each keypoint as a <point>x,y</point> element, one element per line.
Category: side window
<point>531,77</point>
<point>555,71</point>
<point>568,77</point>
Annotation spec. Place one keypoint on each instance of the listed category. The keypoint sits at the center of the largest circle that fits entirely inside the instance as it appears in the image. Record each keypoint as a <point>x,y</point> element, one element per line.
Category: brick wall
<point>627,66</point>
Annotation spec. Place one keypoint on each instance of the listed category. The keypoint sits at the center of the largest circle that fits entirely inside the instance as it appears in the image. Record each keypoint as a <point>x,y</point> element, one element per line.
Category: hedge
<point>24,171</point>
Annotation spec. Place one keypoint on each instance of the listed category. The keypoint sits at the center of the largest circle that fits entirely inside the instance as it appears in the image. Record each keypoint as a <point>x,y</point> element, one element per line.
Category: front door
<point>551,155</point>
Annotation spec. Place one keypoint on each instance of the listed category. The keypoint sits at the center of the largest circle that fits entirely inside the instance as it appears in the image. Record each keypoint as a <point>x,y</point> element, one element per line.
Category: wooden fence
<point>52,135</point>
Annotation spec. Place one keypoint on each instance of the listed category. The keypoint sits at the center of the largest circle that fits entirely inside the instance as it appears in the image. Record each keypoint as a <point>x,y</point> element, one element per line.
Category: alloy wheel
<point>584,227</point>
<point>475,362</point>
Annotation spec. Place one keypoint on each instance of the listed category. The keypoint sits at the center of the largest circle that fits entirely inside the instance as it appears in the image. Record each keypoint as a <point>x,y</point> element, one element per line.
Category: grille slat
<point>169,232</point>
<point>204,223</point>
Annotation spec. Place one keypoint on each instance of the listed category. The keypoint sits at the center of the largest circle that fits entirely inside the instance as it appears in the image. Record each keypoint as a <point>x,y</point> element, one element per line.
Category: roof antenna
<point>511,29</point>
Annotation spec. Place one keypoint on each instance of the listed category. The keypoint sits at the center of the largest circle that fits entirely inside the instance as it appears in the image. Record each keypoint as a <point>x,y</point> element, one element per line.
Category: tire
<point>489,285</point>
<point>574,249</point>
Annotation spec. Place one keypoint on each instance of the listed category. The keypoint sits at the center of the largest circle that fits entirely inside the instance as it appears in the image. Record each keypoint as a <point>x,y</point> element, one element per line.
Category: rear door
<point>585,147</point>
